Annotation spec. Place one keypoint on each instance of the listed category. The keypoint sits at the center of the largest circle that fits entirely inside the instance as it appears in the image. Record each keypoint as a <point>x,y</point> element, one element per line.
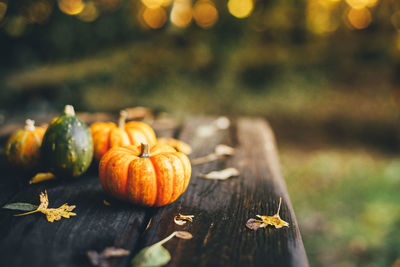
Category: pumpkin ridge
<point>178,186</point>
<point>163,173</point>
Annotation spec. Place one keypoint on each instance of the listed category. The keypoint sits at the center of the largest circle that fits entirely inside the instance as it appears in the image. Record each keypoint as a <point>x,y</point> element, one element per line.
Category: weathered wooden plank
<point>221,208</point>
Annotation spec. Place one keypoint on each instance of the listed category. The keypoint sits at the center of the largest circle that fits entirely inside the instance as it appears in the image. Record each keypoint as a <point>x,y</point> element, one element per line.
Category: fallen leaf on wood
<point>183,219</point>
<point>274,220</point>
<point>20,206</point>
<point>221,175</point>
<point>220,151</point>
<point>100,259</point>
<point>254,224</point>
<point>106,202</point>
<point>156,255</point>
<point>183,235</point>
<point>41,177</point>
<point>177,144</point>
<point>52,214</point>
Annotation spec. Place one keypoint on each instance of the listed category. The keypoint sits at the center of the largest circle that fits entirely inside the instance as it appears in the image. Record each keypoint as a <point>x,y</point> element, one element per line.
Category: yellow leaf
<point>52,214</point>
<point>274,220</point>
<point>41,176</point>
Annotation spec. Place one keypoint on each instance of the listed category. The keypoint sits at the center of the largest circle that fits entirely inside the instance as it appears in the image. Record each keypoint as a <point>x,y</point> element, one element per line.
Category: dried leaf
<point>274,220</point>
<point>183,235</point>
<point>221,175</point>
<point>177,144</point>
<point>254,224</point>
<point>220,151</point>
<point>156,255</point>
<point>183,219</point>
<point>52,214</point>
<point>112,252</point>
<point>100,259</point>
<point>224,150</point>
<point>20,206</point>
<point>41,177</point>
<point>106,202</point>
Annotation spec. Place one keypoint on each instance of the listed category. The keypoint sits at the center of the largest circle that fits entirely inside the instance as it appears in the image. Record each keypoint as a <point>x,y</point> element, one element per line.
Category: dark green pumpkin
<point>67,147</point>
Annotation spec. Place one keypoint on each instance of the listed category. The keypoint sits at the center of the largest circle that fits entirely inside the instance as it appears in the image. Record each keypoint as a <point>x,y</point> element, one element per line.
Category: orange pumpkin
<point>23,146</point>
<point>132,174</point>
<point>107,135</point>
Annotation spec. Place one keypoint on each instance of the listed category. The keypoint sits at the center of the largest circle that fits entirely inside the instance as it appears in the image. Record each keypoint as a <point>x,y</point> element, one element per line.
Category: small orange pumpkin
<point>107,135</point>
<point>23,146</point>
<point>132,174</point>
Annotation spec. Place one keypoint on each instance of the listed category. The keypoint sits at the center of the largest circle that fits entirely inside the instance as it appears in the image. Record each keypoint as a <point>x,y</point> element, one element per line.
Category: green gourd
<point>67,147</point>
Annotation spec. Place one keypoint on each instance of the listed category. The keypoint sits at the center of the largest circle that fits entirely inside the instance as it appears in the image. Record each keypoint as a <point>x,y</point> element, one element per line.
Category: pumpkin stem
<point>29,125</point>
<point>69,110</point>
<point>145,153</point>
<point>122,118</point>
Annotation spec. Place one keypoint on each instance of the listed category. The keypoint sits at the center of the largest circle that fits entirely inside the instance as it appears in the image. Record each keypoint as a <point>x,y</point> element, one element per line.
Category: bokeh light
<point>359,18</point>
<point>205,14</point>
<point>240,8</point>
<point>71,7</point>
<point>181,13</point>
<point>156,3</point>
<point>359,4</point>
<point>39,11</point>
<point>89,13</point>
<point>16,26</point>
<point>320,17</point>
<point>395,19</point>
<point>3,9</point>
<point>154,18</point>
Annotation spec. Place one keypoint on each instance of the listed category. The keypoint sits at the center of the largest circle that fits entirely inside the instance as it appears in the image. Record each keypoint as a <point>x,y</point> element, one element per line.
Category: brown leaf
<point>183,235</point>
<point>182,219</point>
<point>221,175</point>
<point>219,152</point>
<point>100,259</point>
<point>254,224</point>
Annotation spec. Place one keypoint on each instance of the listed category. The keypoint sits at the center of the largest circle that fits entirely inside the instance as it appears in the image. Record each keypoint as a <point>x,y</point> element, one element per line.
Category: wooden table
<point>221,209</point>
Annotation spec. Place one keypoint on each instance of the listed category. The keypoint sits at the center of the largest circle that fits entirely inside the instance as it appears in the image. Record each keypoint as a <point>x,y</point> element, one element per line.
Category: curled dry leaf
<point>183,219</point>
<point>220,151</point>
<point>183,235</point>
<point>41,177</point>
<point>254,224</point>
<point>221,175</point>
<point>100,259</point>
<point>177,144</point>
<point>274,220</point>
<point>52,214</point>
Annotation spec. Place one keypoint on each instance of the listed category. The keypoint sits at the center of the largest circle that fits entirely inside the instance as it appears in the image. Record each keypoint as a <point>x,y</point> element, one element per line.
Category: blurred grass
<point>347,204</point>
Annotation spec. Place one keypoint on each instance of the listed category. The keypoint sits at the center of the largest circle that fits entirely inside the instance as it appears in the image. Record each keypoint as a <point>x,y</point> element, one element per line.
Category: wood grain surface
<point>221,209</point>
